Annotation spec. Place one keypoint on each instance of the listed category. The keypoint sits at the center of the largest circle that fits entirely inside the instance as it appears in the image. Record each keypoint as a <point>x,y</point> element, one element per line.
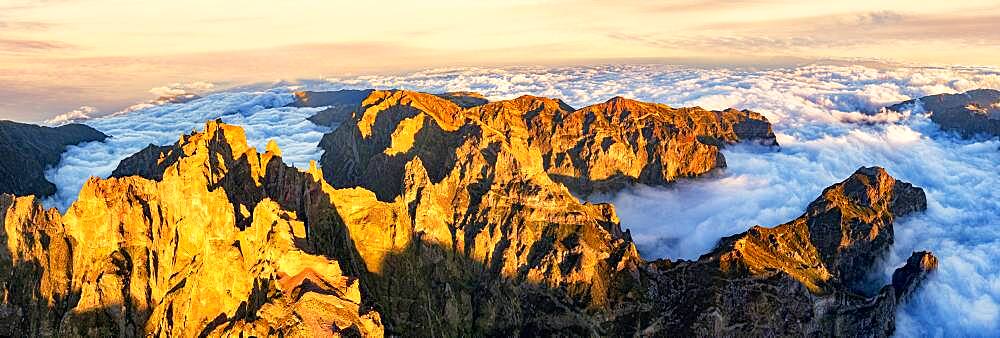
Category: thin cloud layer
<point>827,119</point>
<point>74,116</point>
<point>177,89</point>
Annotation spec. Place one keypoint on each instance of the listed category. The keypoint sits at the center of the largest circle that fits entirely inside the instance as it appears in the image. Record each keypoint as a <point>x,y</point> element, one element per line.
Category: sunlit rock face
<point>798,277</point>
<point>485,242</point>
<point>455,227</point>
<point>598,148</point>
<point>26,150</point>
<point>606,146</point>
<point>203,251</point>
<point>975,112</point>
<point>478,198</point>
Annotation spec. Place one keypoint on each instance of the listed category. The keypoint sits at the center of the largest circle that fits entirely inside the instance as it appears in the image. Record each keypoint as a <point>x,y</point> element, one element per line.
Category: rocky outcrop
<point>465,99</point>
<point>27,150</point>
<point>454,226</point>
<point>514,252</point>
<point>798,278</point>
<point>970,113</point>
<point>603,147</point>
<point>481,236</point>
<point>36,263</point>
<point>607,146</point>
<point>203,251</point>
<point>150,162</point>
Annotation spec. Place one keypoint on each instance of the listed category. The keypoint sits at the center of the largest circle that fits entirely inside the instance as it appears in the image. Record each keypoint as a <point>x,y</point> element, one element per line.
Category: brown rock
<point>204,251</point>
<point>488,244</point>
<point>598,148</point>
<point>797,278</point>
<point>465,99</point>
<point>906,279</point>
<point>36,268</point>
<point>973,112</point>
<point>446,222</point>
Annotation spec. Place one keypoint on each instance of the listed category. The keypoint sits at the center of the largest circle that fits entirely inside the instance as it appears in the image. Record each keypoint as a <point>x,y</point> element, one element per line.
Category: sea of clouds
<point>827,119</point>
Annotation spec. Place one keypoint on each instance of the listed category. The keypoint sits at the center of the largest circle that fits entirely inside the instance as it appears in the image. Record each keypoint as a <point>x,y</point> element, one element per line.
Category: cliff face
<point>440,221</point>
<point>799,277</point>
<point>203,251</point>
<point>603,147</point>
<point>970,113</point>
<point>150,162</point>
<point>475,186</point>
<point>27,150</point>
<point>607,146</point>
<point>485,242</point>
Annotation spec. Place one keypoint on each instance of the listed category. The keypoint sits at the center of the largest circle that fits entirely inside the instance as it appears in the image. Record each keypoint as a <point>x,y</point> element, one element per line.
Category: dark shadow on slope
<point>349,164</point>
<point>27,150</point>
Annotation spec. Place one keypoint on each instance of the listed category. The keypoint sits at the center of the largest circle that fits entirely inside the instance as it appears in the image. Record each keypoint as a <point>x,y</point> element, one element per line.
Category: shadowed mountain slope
<point>27,150</point>
<point>970,113</point>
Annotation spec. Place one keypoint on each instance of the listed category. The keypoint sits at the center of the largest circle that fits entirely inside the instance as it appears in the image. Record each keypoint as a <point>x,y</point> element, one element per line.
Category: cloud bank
<point>827,119</point>
<point>177,89</point>
<point>74,116</point>
<point>261,114</point>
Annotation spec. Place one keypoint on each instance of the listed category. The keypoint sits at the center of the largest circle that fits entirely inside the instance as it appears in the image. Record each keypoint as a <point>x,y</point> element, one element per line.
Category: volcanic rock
<point>603,147</point>
<point>150,162</point>
<point>607,146</point>
<point>203,251</point>
<point>477,197</point>
<point>441,221</point>
<point>970,113</point>
<point>796,279</point>
<point>465,99</point>
<point>27,150</point>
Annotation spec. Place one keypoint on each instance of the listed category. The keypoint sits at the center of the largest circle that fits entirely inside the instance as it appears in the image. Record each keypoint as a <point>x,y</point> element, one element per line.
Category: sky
<point>104,55</point>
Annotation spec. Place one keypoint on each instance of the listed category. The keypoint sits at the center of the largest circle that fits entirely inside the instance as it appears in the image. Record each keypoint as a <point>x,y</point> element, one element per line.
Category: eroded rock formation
<point>798,278</point>
<point>470,177</point>
<point>602,147</point>
<point>202,251</point>
<point>27,150</point>
<point>441,221</point>
<point>970,113</point>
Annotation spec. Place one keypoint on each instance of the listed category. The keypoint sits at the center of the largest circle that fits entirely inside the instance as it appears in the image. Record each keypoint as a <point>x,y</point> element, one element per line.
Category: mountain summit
<point>441,220</point>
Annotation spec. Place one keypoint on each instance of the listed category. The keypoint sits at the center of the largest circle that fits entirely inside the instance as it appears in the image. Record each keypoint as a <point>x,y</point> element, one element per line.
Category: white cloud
<point>74,116</point>
<point>261,114</point>
<point>827,119</point>
<point>177,89</point>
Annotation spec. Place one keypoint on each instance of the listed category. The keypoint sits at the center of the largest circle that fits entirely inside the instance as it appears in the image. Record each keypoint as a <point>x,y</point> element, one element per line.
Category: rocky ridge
<point>797,278</point>
<point>461,229</point>
<point>598,148</point>
<point>807,268</point>
<point>27,150</point>
<point>202,251</point>
<point>970,113</point>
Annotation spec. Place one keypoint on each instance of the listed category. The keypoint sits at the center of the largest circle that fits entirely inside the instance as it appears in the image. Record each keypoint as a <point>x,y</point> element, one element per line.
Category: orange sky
<point>56,55</point>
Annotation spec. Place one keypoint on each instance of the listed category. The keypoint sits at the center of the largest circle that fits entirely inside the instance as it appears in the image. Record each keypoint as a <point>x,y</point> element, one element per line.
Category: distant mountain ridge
<point>27,150</point>
<point>970,113</point>
<point>598,148</point>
